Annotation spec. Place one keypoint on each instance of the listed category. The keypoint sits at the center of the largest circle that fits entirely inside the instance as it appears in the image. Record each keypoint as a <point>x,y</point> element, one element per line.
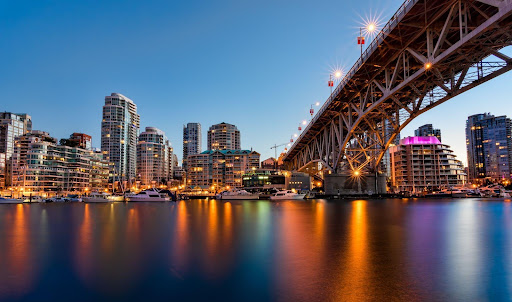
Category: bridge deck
<point>402,31</point>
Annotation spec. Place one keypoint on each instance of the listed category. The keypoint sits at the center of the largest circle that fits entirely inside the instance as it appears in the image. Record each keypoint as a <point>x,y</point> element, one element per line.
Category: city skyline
<point>222,83</point>
<point>266,150</point>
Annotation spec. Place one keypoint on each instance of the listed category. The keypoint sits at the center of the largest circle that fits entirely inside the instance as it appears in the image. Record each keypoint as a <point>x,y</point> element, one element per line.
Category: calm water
<point>388,250</point>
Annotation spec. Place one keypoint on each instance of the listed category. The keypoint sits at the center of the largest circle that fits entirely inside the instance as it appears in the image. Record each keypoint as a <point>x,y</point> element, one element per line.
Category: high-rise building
<point>174,161</point>
<point>489,147</point>
<point>220,168</point>
<point>428,130</point>
<point>119,133</point>
<point>223,136</point>
<point>422,163</point>
<point>154,157</point>
<point>12,125</point>
<point>191,141</point>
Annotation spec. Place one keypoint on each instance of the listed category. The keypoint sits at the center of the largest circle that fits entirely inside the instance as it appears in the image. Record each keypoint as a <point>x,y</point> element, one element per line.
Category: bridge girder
<point>408,72</point>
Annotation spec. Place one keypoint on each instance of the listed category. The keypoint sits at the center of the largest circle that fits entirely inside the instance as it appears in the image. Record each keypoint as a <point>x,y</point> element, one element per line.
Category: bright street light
<point>368,29</point>
<point>371,27</point>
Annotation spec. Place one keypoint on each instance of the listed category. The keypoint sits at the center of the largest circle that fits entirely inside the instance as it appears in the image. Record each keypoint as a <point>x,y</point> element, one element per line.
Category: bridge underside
<point>436,50</point>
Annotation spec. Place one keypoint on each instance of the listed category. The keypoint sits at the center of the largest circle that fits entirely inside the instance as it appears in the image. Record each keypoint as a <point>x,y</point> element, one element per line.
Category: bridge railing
<point>383,33</point>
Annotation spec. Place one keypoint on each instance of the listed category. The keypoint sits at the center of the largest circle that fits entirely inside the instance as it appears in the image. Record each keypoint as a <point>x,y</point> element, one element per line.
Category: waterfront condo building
<point>223,136</point>
<point>191,141</point>
<point>420,164</point>
<point>428,130</point>
<point>154,158</point>
<point>489,147</point>
<point>12,125</point>
<point>220,168</point>
<point>119,133</point>
<point>41,166</point>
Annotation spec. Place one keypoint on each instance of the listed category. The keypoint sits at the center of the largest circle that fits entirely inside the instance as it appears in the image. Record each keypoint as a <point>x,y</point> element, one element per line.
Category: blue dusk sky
<point>256,64</point>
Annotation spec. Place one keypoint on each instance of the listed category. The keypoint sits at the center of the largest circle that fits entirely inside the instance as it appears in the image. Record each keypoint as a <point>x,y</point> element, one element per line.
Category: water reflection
<point>85,261</point>
<point>354,280</point>
<point>464,249</point>
<point>179,246</point>
<point>258,250</point>
<point>17,263</point>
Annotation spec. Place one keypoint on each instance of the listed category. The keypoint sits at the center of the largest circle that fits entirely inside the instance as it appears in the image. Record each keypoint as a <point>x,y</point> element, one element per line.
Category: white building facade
<point>224,136</point>
<point>119,134</point>
<point>154,158</point>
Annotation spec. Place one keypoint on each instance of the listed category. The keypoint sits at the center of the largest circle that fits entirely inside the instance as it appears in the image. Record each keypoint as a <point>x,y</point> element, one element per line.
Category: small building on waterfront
<point>298,181</point>
<point>261,179</point>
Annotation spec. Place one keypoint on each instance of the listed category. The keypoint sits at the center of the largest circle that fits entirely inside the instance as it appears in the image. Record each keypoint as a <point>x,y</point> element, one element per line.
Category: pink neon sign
<point>420,140</point>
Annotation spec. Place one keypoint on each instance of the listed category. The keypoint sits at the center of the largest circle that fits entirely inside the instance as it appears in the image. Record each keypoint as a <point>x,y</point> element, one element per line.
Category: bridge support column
<point>345,184</point>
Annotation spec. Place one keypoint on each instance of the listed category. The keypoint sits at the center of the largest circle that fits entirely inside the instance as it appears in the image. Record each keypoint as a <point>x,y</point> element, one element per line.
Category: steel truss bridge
<point>429,52</point>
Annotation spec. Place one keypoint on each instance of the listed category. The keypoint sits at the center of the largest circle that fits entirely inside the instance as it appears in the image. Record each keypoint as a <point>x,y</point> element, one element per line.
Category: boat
<point>494,191</point>
<point>287,195</point>
<point>455,192</point>
<point>56,199</point>
<point>236,195</point>
<point>10,200</point>
<point>97,197</point>
<point>35,198</point>
<point>116,198</point>
<point>310,195</point>
<point>74,198</point>
<point>148,195</point>
<point>438,194</point>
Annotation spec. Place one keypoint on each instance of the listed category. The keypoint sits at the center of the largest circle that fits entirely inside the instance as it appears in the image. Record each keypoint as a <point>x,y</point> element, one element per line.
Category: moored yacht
<point>35,198</point>
<point>236,195</point>
<point>10,200</point>
<point>97,197</point>
<point>493,191</point>
<point>148,195</point>
<point>287,195</point>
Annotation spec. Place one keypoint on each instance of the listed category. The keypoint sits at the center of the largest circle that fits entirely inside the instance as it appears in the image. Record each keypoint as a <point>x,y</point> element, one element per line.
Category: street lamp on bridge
<point>337,74</point>
<point>369,28</point>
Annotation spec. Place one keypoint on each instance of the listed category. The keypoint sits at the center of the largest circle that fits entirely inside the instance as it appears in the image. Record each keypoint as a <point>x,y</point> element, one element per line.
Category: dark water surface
<point>375,250</point>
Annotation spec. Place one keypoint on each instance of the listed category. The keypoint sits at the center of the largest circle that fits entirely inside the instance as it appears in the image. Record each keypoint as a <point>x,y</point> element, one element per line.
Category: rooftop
<point>228,151</point>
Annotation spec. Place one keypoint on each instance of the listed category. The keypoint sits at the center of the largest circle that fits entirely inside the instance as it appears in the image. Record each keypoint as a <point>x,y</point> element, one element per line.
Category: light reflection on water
<point>257,250</point>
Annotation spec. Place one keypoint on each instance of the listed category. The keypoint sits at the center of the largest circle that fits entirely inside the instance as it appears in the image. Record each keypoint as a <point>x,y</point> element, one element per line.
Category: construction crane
<point>275,149</point>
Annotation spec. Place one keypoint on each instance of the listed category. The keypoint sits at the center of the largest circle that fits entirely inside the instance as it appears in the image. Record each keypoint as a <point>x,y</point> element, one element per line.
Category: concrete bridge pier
<point>347,184</point>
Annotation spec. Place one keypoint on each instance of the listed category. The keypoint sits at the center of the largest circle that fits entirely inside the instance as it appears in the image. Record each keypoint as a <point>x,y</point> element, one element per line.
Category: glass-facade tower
<point>489,146</point>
